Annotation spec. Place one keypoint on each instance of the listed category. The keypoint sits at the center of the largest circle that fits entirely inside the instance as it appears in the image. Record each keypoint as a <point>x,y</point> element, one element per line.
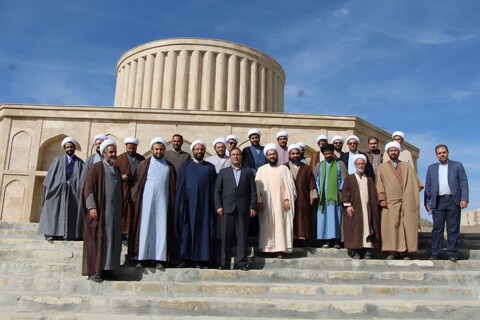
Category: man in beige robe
<point>276,196</point>
<point>398,187</point>
<point>404,155</point>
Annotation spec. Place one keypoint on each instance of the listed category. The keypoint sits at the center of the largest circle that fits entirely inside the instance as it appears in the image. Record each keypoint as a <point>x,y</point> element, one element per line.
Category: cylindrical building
<point>199,74</point>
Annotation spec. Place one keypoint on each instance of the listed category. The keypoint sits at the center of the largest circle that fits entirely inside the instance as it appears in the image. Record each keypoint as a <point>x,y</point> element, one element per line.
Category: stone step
<point>273,290</point>
<point>226,307</point>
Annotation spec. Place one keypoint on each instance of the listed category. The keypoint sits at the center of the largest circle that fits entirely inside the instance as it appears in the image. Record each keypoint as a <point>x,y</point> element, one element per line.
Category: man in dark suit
<point>348,157</point>
<point>446,193</point>
<point>235,201</point>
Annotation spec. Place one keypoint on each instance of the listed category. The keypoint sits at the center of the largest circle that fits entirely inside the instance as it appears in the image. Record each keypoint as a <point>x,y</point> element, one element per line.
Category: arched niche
<point>13,201</point>
<point>49,150</point>
<point>20,151</point>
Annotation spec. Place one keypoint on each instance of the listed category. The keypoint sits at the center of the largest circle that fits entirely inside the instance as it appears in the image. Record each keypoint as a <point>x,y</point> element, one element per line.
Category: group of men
<point>173,206</point>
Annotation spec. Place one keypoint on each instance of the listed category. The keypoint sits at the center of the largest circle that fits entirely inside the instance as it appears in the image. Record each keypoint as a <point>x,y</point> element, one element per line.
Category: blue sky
<point>400,65</point>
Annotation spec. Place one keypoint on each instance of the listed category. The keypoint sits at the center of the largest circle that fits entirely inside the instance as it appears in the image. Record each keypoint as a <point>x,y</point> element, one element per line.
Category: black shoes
<point>434,257</point>
<point>453,259</point>
<point>95,278</point>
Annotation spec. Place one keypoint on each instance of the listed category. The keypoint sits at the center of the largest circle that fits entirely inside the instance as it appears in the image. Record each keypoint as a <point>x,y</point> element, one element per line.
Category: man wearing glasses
<point>348,158</point>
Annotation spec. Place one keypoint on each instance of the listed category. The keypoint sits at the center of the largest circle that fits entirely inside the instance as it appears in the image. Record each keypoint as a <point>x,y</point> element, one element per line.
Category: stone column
<point>131,83</point>
<point>169,80</point>
<point>181,81</point>
<point>137,102</point>
<point>244,85</point>
<point>220,82</point>
<point>193,102</point>
<point>232,84</point>
<point>158,71</point>
<point>147,82</point>
<point>207,81</point>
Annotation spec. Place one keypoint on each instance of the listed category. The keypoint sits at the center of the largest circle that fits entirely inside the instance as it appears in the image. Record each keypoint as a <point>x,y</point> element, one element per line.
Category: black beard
<point>70,153</point>
<point>158,158</point>
<point>273,163</point>
<point>296,162</point>
<point>198,158</point>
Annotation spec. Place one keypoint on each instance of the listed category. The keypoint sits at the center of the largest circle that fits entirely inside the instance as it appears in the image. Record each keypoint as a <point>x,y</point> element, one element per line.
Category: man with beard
<point>235,201</point>
<point>361,217</point>
<point>282,139</point>
<point>253,156</point>
<point>398,188</point>
<point>62,216</point>
<point>103,201</point>
<point>154,196</point>
<point>405,155</point>
<point>195,210</point>
<point>220,160</point>
<point>337,142</point>
<point>348,157</point>
<point>306,194</point>
<point>276,196</point>
<point>177,156</point>
<point>232,142</point>
<point>329,177</point>
<point>127,164</point>
<point>318,156</point>
<point>374,155</point>
<point>97,156</point>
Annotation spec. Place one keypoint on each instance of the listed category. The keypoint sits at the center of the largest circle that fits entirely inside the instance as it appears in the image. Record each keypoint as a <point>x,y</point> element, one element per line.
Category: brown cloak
<point>137,197</point>
<point>353,226</point>
<point>124,166</point>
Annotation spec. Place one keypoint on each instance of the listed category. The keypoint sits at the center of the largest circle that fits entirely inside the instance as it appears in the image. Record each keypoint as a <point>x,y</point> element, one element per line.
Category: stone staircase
<point>42,280</point>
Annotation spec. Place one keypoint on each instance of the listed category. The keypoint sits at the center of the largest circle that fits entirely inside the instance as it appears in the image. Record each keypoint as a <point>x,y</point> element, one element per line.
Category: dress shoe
<point>325,246</point>
<point>391,257</point>
<point>223,268</point>
<point>244,268</point>
<point>368,255</point>
<point>434,257</point>
<point>453,259</point>
<point>337,245</point>
<point>49,238</point>
<point>95,278</point>
<point>139,265</point>
<point>160,266</point>
<point>356,255</point>
<point>279,256</point>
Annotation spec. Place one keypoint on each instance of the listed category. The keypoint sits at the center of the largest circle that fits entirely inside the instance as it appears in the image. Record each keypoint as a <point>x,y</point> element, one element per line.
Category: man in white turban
<point>337,142</point>
<point>276,196</point>
<point>361,217</point>
<point>195,215</point>
<point>153,194</point>
<point>398,187</point>
<point>253,156</point>
<point>318,156</point>
<point>103,202</point>
<point>97,156</point>
<point>348,158</point>
<point>282,149</point>
<point>127,163</point>
<point>232,142</point>
<point>405,155</point>
<point>220,160</point>
<point>62,215</point>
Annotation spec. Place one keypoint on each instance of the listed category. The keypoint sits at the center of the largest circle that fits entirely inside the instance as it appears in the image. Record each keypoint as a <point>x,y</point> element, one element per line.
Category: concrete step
<point>226,307</point>
<point>273,290</point>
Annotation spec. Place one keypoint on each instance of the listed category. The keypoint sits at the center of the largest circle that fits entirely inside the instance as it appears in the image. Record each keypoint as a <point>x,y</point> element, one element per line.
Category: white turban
<point>337,138</point>
<point>131,140</point>
<point>281,134</point>
<point>99,136</point>
<point>398,133</point>
<point>219,140</point>
<point>301,144</point>
<point>194,143</point>
<point>393,144</point>
<point>107,143</point>
<point>158,140</point>
<point>230,137</point>
<point>293,146</point>
<point>321,137</point>
<point>353,137</point>
<point>359,156</point>
<point>254,131</point>
<point>67,140</point>
<point>268,147</point>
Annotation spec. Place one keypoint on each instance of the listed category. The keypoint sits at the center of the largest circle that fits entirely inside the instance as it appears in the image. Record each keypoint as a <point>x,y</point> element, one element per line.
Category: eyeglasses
<point>352,143</point>
<point>231,142</point>
<point>338,143</point>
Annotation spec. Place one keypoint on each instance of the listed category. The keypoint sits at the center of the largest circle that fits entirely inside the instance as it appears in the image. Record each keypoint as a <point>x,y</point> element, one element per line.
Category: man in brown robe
<point>361,215</point>
<point>152,215</point>
<point>127,164</point>
<point>102,237</point>
<point>306,194</point>
<point>398,188</point>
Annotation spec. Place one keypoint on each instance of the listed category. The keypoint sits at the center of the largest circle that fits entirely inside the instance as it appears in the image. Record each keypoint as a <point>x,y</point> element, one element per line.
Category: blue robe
<point>195,211</point>
<point>329,216</point>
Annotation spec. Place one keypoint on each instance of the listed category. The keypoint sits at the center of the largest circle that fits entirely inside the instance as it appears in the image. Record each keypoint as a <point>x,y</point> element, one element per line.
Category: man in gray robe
<point>102,239</point>
<point>220,160</point>
<point>61,216</point>
<point>97,156</point>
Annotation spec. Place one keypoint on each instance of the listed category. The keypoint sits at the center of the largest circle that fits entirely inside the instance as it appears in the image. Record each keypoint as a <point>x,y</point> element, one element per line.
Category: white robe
<point>152,242</point>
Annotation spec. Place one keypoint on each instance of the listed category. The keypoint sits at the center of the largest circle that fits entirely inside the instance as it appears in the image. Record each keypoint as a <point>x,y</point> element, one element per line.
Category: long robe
<point>364,224</point>
<point>123,164</point>
<point>195,215</point>
<point>62,213</point>
<point>329,216</point>
<point>400,187</point>
<point>306,191</point>
<point>274,186</point>
<point>155,222</point>
<point>102,238</point>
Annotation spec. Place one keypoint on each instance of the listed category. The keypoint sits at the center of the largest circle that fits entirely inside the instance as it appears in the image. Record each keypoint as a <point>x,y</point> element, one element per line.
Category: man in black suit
<point>236,201</point>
